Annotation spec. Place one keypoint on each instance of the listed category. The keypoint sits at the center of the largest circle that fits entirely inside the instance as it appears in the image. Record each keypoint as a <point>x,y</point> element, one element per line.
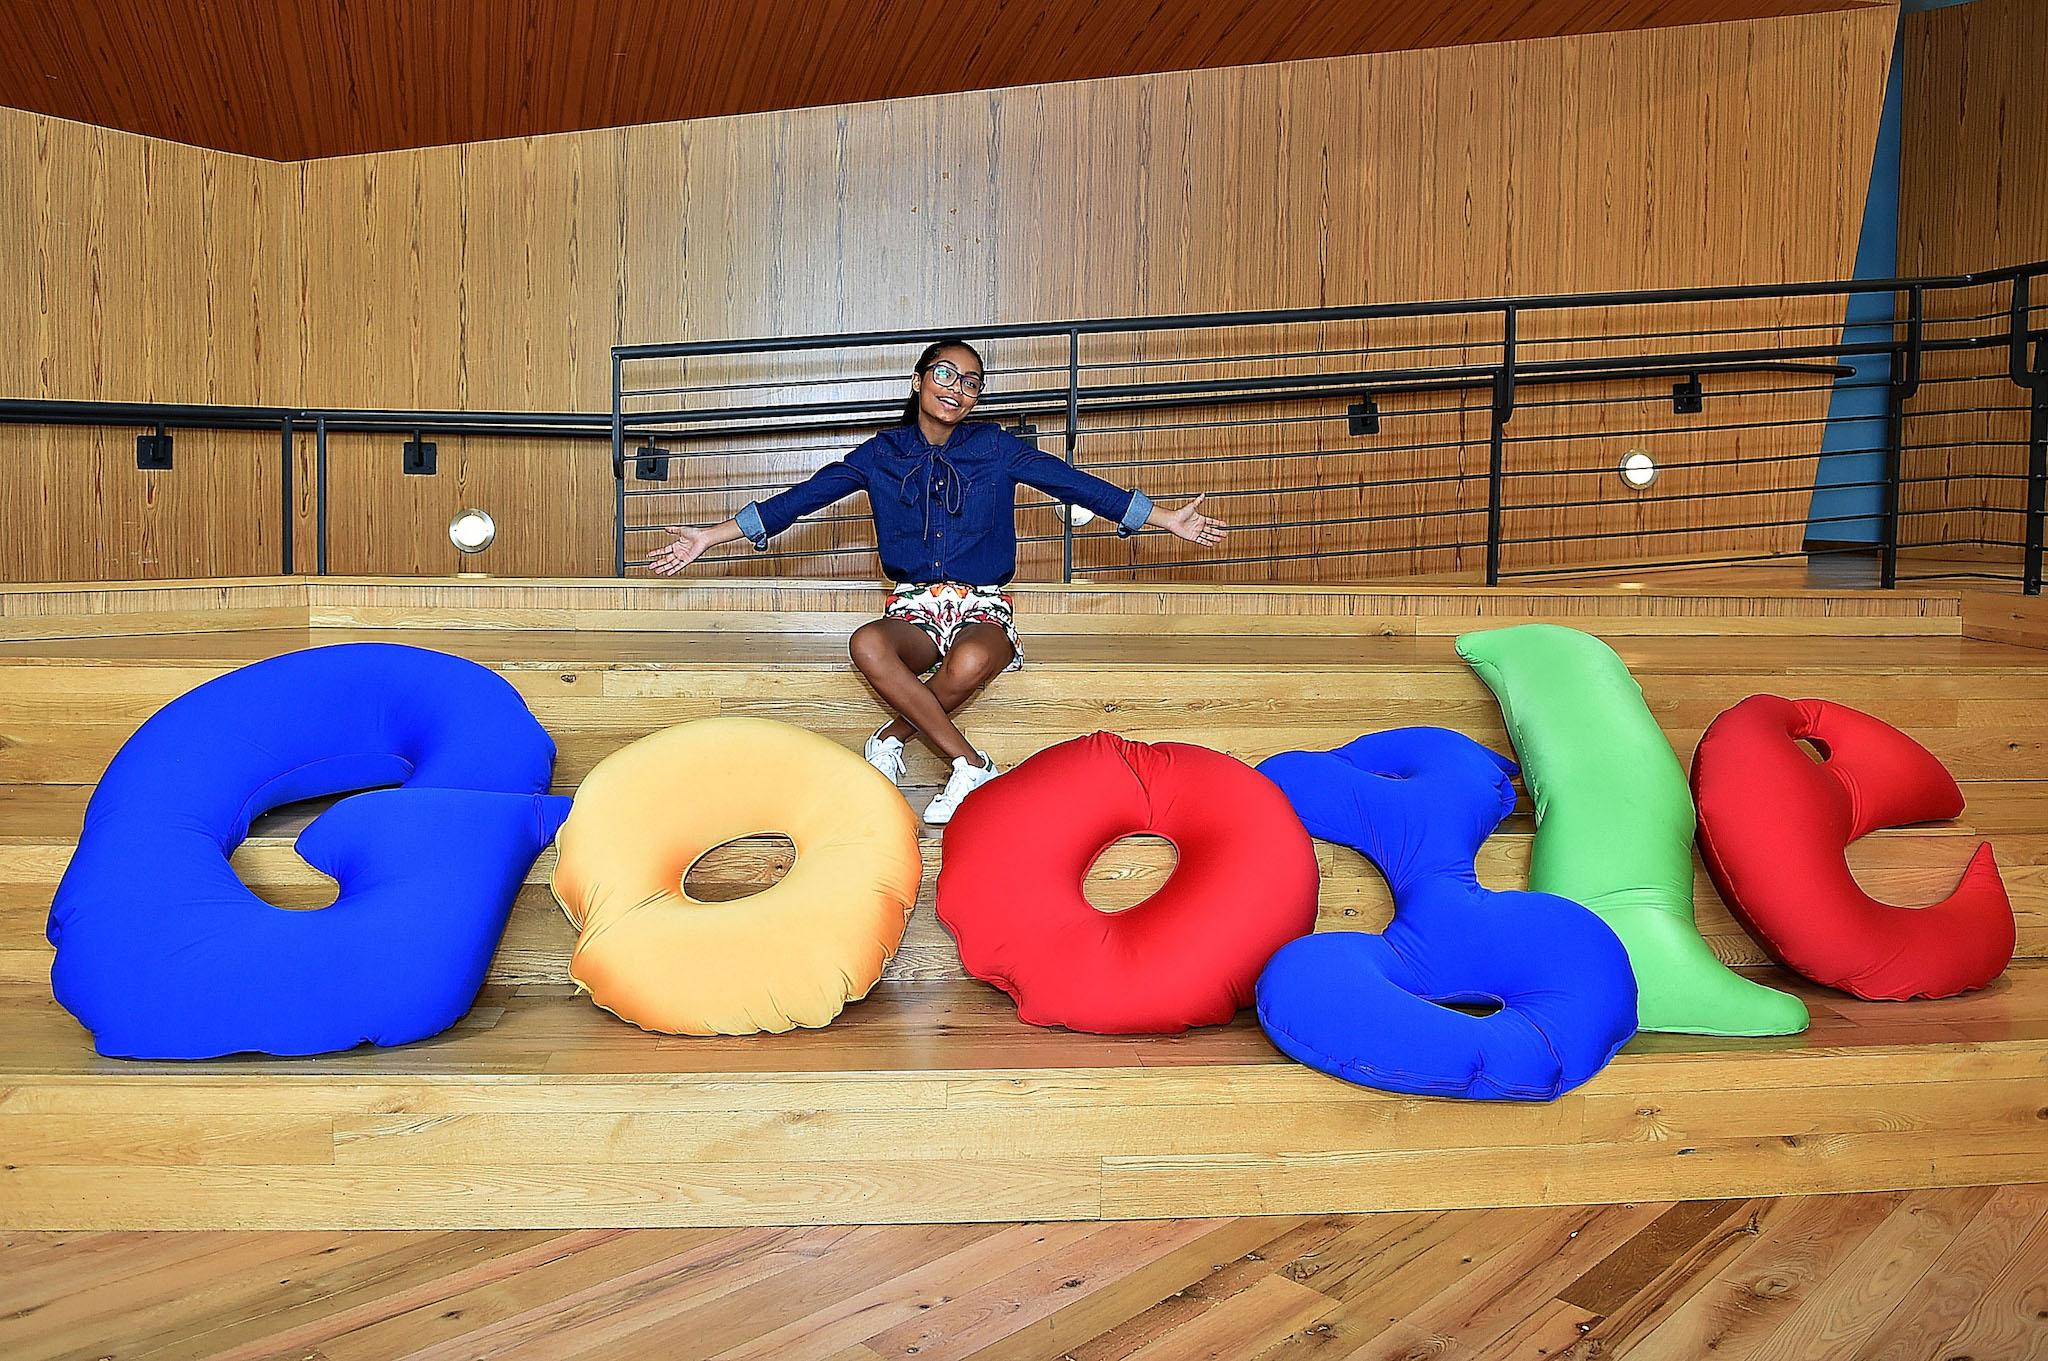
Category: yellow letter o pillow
<point>792,955</point>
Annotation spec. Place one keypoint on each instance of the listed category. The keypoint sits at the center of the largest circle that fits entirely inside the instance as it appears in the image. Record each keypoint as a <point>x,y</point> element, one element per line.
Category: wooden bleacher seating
<point>930,1101</point>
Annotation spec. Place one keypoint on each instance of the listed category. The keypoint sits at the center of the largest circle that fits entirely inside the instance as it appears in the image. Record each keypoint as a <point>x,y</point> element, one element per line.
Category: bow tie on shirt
<point>937,468</point>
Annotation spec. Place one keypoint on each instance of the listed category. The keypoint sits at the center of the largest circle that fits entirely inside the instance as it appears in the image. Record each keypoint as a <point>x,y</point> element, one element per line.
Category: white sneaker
<point>967,777</point>
<point>886,755</point>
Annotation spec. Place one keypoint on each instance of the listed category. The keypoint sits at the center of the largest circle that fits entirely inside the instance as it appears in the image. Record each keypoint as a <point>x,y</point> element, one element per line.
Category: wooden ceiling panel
<point>296,79</point>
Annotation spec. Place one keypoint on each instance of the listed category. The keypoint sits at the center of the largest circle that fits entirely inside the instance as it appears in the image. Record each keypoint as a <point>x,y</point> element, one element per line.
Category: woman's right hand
<point>688,545</point>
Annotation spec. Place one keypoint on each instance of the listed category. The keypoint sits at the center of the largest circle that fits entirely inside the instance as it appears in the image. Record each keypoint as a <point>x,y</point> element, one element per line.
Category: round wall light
<point>1638,469</point>
<point>1073,515</point>
<point>472,530</point>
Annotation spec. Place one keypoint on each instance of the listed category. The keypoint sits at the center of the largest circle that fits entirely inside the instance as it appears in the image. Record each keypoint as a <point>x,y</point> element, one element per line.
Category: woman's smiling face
<point>948,389</point>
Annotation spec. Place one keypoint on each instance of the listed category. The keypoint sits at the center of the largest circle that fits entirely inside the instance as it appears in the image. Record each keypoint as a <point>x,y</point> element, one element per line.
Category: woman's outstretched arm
<point>1129,510</point>
<point>759,521</point>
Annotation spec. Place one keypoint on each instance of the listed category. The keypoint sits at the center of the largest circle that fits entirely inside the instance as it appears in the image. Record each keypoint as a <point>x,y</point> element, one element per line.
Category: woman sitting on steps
<point>943,493</point>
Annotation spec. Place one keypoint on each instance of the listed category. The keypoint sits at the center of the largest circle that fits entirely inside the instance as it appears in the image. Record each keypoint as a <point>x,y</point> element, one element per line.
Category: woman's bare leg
<point>979,654</point>
<point>892,654</point>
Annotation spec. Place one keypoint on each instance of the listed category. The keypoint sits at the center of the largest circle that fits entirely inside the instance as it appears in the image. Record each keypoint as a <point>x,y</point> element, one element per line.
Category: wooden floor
<point>930,1101</point>
<point>1897,1276</point>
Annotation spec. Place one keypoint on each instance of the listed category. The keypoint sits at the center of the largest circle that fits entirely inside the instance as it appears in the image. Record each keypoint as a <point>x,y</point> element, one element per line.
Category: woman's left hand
<point>1189,523</point>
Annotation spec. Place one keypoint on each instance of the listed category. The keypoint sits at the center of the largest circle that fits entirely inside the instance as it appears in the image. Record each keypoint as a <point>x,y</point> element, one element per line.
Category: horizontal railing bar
<point>1204,460</point>
<point>749,488</point>
<point>1965,410</point>
<point>1966,510</point>
<point>1491,341</point>
<point>661,440</point>
<point>191,416</point>
<point>1429,480</point>
<point>1362,312</point>
<point>1716,394</point>
<point>1609,469</point>
<point>1527,340</point>
<point>781,554</point>
<point>807,520</point>
<point>597,426</point>
<point>1710,427</point>
<point>1207,460</point>
<point>1253,422</point>
<point>1623,501</point>
<point>1433,513</point>
<point>1966,543</point>
<point>1285,557</point>
<point>1962,477</point>
<point>1661,531</point>
<point>1485,342</point>
<point>1307,387</point>
<point>1932,380</point>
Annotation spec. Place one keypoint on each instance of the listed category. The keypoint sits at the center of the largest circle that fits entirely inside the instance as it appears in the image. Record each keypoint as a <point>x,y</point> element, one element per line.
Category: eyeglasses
<point>947,376</point>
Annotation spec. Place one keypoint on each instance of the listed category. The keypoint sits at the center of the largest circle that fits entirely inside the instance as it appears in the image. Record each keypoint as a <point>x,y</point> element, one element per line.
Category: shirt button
<point>942,534</point>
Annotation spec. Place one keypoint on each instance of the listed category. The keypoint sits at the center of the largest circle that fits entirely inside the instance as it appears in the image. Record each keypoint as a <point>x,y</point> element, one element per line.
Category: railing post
<point>1073,449</point>
<point>1904,382</point>
<point>2037,471</point>
<point>2018,309</point>
<point>1496,461</point>
<point>2037,463</point>
<point>2027,365</point>
<point>618,476</point>
<point>320,494</point>
<point>289,436</point>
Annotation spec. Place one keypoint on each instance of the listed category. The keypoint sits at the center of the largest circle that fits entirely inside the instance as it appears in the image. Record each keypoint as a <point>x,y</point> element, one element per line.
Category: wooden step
<point>65,707</point>
<point>1907,866</point>
<point>933,1102</point>
<point>1652,604</point>
<point>930,1101</point>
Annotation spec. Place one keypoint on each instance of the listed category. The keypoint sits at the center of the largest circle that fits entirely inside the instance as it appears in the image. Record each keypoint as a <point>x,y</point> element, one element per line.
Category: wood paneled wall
<point>139,270</point>
<point>1973,195</point>
<point>498,275</point>
<point>1974,136</point>
<point>1725,154</point>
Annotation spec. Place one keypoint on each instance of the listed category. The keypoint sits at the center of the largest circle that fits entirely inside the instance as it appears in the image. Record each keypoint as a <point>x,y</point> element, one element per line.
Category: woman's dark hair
<point>927,359</point>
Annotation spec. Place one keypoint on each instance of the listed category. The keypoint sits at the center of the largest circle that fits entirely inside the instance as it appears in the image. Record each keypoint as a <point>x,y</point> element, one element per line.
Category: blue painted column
<point>1847,499</point>
<point>1847,502</point>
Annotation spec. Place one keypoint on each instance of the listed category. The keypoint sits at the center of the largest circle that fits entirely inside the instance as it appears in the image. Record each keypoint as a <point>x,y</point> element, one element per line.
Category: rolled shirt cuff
<point>1135,517</point>
<point>749,521</point>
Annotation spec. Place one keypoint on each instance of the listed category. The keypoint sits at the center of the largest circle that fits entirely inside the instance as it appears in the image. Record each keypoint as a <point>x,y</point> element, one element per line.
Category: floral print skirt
<point>942,609</point>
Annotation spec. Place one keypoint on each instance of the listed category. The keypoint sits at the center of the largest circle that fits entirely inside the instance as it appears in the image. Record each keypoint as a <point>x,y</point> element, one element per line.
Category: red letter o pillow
<point>1775,828</point>
<point>1019,849</point>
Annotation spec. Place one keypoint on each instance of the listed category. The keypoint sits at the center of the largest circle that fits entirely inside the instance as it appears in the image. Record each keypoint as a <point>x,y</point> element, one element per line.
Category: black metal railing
<point>1462,437</point>
<point>1466,483</point>
<point>158,420</point>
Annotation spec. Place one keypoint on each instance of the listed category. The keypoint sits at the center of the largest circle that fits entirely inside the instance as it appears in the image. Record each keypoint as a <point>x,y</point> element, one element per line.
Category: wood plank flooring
<point>1890,1276</point>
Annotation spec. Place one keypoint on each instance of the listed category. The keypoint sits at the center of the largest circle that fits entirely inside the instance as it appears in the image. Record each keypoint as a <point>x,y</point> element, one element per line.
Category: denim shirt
<point>945,512</point>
